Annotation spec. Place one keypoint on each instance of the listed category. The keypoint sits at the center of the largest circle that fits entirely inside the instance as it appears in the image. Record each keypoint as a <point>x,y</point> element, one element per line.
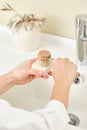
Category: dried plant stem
<point>17,20</point>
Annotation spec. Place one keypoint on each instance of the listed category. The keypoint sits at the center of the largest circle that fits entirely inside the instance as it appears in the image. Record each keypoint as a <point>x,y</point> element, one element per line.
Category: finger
<point>57,59</point>
<point>73,64</point>
<point>77,74</point>
<point>45,76</point>
<point>35,72</point>
<point>31,61</point>
<point>66,59</point>
<point>50,73</point>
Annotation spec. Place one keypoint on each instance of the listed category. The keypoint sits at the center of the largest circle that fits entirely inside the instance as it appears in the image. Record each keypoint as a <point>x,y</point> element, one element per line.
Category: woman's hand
<point>64,70</point>
<point>20,75</point>
<point>25,73</point>
<point>64,73</point>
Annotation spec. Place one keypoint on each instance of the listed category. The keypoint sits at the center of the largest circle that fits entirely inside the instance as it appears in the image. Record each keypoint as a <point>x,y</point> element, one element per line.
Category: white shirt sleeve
<point>53,117</point>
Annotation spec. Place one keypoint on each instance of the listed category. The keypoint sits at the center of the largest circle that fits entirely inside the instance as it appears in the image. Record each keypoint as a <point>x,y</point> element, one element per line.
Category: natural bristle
<point>44,63</point>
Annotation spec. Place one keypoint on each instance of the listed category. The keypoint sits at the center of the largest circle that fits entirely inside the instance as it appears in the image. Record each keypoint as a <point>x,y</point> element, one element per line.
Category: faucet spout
<point>81,39</point>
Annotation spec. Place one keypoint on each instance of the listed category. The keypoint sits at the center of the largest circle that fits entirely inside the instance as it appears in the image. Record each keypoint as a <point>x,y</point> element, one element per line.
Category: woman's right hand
<point>64,71</point>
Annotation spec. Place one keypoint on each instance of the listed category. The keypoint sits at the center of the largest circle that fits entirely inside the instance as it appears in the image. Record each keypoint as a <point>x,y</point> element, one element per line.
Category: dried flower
<point>17,20</point>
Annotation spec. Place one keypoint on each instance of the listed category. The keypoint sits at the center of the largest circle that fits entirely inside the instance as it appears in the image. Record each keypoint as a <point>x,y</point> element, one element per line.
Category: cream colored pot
<point>26,40</point>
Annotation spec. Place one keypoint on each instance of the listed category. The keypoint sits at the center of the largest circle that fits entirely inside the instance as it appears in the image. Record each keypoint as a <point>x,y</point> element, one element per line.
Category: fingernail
<point>46,77</point>
<point>40,73</point>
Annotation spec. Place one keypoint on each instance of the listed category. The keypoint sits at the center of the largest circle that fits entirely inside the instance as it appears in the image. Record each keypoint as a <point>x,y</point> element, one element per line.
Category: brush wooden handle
<point>44,55</point>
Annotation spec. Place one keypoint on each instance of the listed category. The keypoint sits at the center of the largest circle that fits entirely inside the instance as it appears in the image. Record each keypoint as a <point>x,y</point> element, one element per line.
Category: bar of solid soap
<point>37,66</point>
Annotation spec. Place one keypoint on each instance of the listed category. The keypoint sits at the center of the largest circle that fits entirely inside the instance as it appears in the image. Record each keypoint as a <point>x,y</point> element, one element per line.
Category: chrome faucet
<point>81,39</point>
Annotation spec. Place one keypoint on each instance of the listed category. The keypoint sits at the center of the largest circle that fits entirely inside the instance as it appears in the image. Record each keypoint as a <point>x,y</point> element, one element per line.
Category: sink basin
<point>77,102</point>
<point>36,94</point>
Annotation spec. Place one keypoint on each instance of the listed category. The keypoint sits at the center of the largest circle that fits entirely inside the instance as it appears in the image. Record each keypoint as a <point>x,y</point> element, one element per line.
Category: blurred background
<point>60,14</point>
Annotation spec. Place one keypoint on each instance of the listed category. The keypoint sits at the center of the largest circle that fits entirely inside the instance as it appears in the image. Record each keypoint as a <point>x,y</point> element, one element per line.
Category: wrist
<point>63,83</point>
<point>6,82</point>
<point>61,93</point>
<point>11,78</point>
<point>62,87</point>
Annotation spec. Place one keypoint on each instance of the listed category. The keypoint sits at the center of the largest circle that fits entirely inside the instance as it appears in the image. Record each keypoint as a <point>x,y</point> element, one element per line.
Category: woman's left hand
<point>25,73</point>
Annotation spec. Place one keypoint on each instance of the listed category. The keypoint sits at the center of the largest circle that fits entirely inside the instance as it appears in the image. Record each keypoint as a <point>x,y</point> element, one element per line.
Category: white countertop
<point>11,57</point>
<point>70,127</point>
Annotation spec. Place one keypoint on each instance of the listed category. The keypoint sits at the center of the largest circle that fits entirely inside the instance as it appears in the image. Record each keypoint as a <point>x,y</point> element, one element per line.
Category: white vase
<point>26,40</point>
